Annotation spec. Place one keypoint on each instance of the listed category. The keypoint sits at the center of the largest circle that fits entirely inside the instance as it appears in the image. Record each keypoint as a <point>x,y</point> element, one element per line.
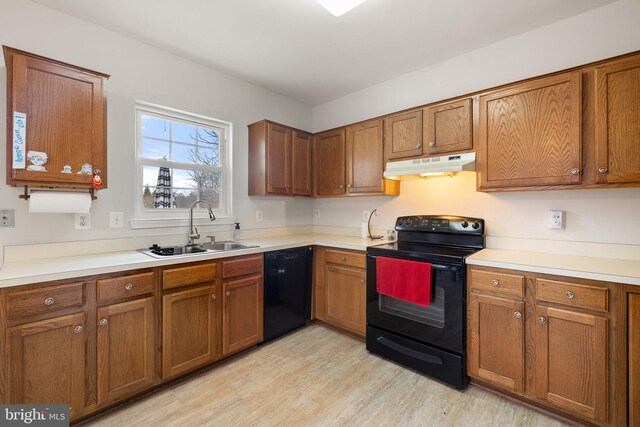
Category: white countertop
<point>584,267</point>
<point>44,270</point>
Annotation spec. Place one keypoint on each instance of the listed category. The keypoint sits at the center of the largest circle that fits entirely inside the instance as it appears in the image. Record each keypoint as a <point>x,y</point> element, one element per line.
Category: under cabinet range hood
<point>431,166</point>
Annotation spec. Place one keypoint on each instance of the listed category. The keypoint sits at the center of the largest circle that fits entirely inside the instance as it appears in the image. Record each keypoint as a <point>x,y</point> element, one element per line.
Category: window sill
<point>141,223</point>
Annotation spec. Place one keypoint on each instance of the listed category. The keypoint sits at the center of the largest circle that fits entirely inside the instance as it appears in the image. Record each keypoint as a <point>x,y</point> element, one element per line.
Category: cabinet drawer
<point>44,300</point>
<point>573,295</point>
<point>125,287</point>
<point>241,266</point>
<point>352,259</point>
<point>191,275</point>
<point>507,284</point>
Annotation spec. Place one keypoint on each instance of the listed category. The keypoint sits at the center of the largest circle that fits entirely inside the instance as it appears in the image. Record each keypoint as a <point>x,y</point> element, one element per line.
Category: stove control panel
<point>440,224</point>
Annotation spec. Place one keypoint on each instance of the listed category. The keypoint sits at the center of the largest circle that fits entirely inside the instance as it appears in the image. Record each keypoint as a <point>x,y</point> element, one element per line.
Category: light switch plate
<point>365,216</point>
<point>7,218</point>
<point>83,221</point>
<point>556,219</point>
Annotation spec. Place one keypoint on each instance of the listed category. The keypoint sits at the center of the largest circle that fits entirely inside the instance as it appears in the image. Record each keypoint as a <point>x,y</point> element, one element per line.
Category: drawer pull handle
<point>128,286</point>
<point>228,293</point>
<point>343,258</point>
<point>495,282</point>
<point>103,322</point>
<point>49,301</point>
<point>517,314</point>
<point>575,171</point>
<point>77,329</point>
<point>569,294</point>
<point>542,320</point>
<point>213,296</point>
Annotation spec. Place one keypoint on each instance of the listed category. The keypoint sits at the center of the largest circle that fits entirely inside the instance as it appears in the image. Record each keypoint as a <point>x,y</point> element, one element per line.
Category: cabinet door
<point>242,319</point>
<point>345,298</point>
<point>126,349</point>
<point>190,330</point>
<point>570,361</point>
<point>634,359</point>
<point>301,167</point>
<point>47,362</point>
<point>365,158</point>
<point>449,127</point>
<point>496,341</point>
<point>66,119</point>
<point>278,160</point>
<point>618,121</point>
<point>403,135</point>
<point>530,134</point>
<point>330,163</point>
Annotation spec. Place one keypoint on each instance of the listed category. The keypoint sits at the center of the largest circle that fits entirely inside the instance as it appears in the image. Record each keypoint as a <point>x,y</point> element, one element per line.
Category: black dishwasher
<point>287,290</point>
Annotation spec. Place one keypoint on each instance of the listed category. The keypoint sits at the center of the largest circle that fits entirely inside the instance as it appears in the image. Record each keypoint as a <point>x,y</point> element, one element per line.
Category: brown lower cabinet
<point>554,342</point>
<point>242,319</point>
<point>340,289</point>
<point>634,357</point>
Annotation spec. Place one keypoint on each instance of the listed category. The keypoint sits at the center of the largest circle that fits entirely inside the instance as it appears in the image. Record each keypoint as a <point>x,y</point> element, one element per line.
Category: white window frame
<point>161,218</point>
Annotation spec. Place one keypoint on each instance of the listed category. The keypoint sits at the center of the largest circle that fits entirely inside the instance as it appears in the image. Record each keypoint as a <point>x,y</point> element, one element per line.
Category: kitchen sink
<point>156,251</point>
<point>226,246</point>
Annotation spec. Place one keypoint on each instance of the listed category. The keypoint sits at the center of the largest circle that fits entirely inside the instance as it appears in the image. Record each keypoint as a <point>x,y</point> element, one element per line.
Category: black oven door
<point>442,324</point>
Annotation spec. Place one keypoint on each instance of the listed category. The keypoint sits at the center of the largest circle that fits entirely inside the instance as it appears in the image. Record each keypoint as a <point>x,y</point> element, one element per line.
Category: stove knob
<point>476,225</point>
<point>464,224</point>
<point>408,221</point>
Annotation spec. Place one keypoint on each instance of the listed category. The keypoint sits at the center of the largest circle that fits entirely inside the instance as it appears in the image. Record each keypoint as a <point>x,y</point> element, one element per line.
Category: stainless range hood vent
<point>431,166</point>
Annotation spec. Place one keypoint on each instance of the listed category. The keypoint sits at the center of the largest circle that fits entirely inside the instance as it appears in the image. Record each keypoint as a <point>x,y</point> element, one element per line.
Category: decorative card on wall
<point>19,139</point>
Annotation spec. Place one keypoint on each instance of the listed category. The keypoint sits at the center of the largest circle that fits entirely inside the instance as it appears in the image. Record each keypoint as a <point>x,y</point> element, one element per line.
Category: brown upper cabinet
<point>365,160</point>
<point>279,160</point>
<point>330,163</point>
<point>617,121</point>
<point>66,118</point>
<point>403,135</point>
<point>448,127</point>
<point>531,134</point>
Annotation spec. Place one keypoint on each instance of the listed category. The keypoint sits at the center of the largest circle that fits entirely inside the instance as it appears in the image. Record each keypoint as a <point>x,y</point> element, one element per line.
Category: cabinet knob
<point>603,170</point>
<point>418,146</point>
<point>517,314</point>
<point>77,329</point>
<point>343,258</point>
<point>542,320</point>
<point>495,282</point>
<point>569,294</point>
<point>49,301</point>
<point>228,293</point>
<point>341,186</point>
<point>128,286</point>
<point>349,186</point>
<point>103,322</point>
<point>288,186</point>
<point>575,171</point>
<point>213,296</point>
<point>432,144</point>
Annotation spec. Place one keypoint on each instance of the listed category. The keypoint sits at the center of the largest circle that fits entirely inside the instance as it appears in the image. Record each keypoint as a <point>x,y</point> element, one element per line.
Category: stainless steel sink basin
<point>226,246</point>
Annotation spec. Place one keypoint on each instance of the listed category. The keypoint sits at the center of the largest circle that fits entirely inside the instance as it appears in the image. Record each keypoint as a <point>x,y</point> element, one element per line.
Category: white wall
<point>139,72</point>
<point>609,216</point>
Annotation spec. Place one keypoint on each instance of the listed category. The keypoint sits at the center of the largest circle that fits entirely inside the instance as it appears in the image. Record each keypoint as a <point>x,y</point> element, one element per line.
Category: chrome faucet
<point>191,235</point>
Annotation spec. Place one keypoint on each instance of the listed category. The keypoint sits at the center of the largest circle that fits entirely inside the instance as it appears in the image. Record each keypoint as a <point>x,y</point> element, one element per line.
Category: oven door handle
<point>410,352</point>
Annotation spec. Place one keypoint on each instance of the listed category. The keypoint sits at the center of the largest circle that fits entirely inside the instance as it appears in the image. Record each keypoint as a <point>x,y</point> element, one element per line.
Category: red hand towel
<point>404,280</point>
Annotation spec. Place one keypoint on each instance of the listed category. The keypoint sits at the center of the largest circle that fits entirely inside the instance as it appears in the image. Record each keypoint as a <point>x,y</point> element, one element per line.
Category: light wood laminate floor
<point>318,377</point>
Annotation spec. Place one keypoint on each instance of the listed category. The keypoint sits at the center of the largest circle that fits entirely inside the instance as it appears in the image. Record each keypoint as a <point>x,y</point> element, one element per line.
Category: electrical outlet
<point>365,215</point>
<point>83,221</point>
<point>258,216</point>
<point>116,219</point>
<point>556,219</point>
<point>317,213</point>
<point>7,218</point>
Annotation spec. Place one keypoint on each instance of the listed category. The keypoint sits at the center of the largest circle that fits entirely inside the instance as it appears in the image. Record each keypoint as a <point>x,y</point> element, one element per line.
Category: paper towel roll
<point>59,202</point>
<point>364,230</point>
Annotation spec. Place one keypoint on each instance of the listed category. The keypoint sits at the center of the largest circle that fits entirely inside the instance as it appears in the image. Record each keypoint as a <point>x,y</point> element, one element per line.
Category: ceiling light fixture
<point>339,7</point>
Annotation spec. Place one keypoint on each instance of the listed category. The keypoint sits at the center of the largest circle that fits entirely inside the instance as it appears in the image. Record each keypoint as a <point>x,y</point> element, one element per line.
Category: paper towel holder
<point>26,194</point>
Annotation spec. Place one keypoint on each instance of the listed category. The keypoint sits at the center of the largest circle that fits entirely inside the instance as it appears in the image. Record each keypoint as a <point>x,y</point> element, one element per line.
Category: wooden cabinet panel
<point>124,287</point>
<point>242,266</point>
<point>278,161</point>
<point>403,135</point>
<point>345,298</point>
<point>618,121</point>
<point>243,309</point>
<point>66,118</point>
<point>634,358</point>
<point>47,362</point>
<point>499,282</point>
<point>448,127</point>
<point>571,361</point>
<point>496,341</point>
<point>190,275</point>
<point>365,158</point>
<point>126,349</point>
<point>573,295</point>
<point>47,299</point>
<point>301,163</point>
<point>330,163</point>
<point>531,134</point>
<point>190,329</point>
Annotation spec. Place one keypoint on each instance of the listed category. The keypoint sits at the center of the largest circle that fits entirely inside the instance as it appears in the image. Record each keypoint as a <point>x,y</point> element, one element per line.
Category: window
<point>181,158</point>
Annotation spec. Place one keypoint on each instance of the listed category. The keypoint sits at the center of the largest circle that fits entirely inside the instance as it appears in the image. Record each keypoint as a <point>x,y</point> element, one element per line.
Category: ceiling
<point>298,49</point>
